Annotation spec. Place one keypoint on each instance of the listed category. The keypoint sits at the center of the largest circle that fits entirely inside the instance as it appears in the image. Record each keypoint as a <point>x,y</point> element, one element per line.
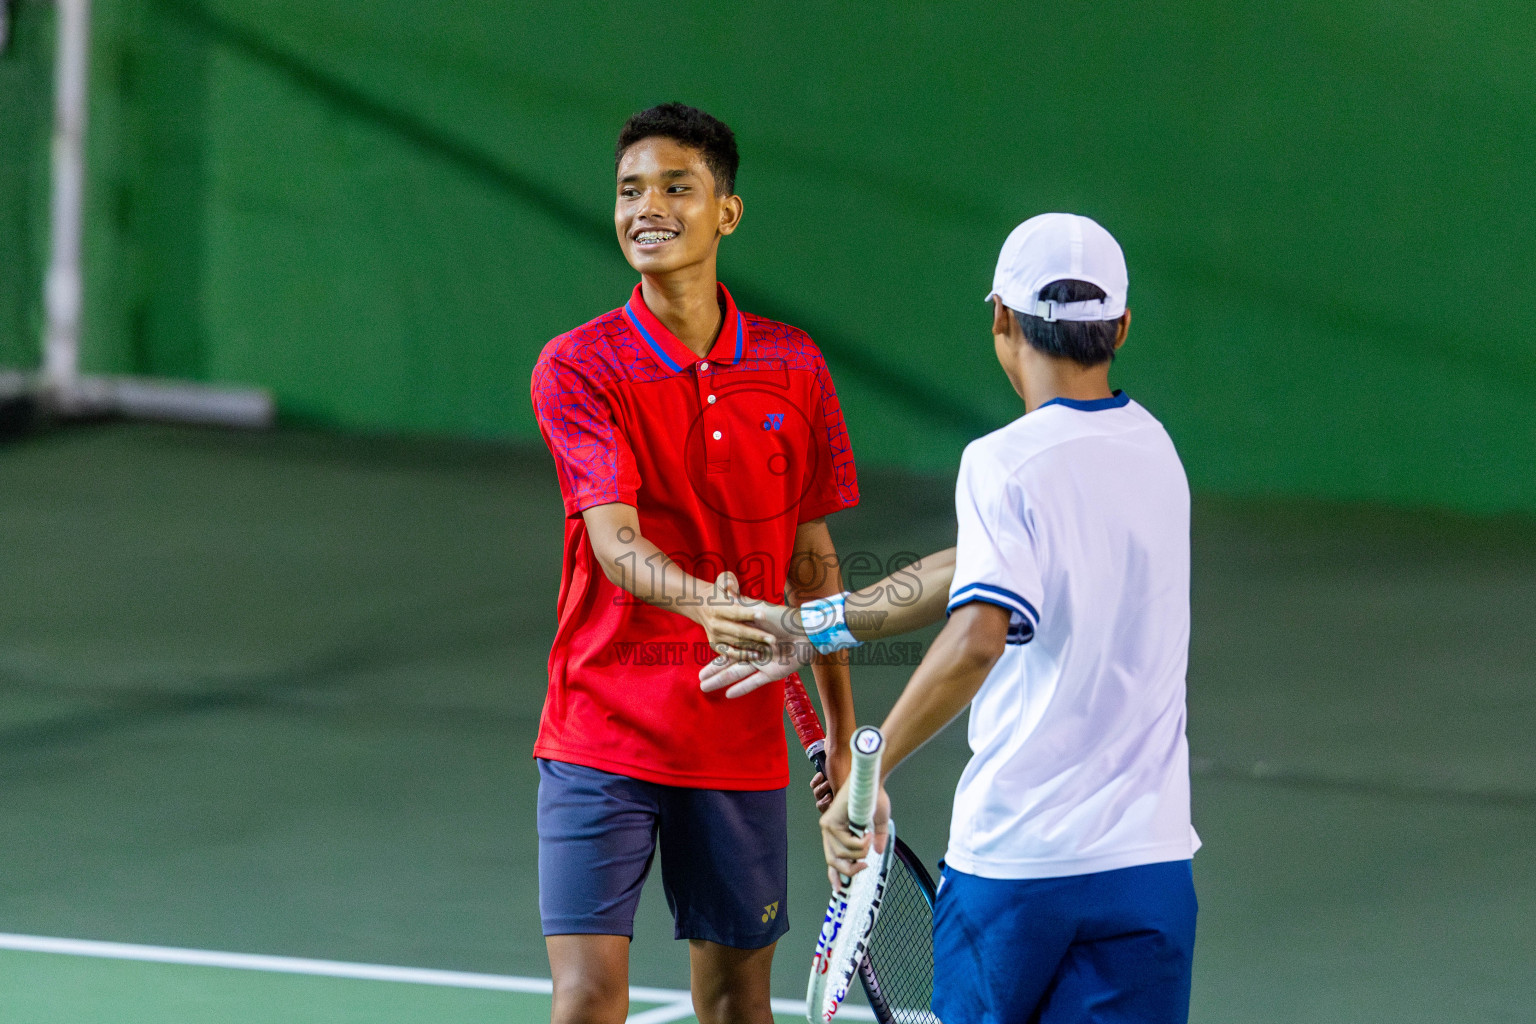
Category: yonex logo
<point>771,912</point>
<point>786,476</point>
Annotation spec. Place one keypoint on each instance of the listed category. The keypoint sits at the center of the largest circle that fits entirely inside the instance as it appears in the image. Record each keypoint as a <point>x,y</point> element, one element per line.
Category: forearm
<point>644,570</point>
<point>638,566</point>
<point>947,680</point>
<point>834,682</point>
<point>955,668</point>
<point>907,599</point>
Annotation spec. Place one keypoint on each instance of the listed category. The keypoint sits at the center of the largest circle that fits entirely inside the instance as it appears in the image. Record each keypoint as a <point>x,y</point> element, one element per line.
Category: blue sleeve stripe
<point>967,596</point>
<point>994,595</point>
<point>1020,632</point>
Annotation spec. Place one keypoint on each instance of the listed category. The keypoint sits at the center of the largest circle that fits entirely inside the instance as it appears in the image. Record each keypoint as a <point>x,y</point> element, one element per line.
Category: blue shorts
<point>1109,947</point>
<point>724,856</point>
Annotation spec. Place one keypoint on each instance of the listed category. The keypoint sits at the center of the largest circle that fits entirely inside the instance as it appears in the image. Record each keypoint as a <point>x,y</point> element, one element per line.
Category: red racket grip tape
<point>802,715</point>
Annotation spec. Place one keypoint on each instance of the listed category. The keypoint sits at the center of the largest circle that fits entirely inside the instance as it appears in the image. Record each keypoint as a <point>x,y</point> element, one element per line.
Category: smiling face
<point>667,214</point>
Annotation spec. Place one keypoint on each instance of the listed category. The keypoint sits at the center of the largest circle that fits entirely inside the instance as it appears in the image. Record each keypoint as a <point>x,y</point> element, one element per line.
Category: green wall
<point>25,90</point>
<point>383,210</point>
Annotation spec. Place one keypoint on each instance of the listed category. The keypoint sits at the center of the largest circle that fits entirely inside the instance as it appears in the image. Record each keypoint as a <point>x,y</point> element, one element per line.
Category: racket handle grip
<point>864,778</point>
<point>802,715</point>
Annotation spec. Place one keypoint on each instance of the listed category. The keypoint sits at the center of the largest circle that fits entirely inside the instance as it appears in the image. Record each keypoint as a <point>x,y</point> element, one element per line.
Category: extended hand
<point>730,622</point>
<point>745,672</point>
<point>744,676</point>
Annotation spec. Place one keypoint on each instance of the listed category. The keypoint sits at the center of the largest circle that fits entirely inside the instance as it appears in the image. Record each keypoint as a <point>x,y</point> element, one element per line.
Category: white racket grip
<point>864,779</point>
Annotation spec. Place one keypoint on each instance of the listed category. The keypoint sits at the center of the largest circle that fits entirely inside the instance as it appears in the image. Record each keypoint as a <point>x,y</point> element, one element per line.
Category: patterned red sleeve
<point>592,455</point>
<point>835,485</point>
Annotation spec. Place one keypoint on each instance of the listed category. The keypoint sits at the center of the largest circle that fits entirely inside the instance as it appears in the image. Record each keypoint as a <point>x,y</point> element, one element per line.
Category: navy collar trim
<point>1118,401</point>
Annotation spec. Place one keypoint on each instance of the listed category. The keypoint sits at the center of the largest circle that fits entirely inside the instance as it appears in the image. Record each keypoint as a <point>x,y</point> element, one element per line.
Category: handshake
<point>759,643</point>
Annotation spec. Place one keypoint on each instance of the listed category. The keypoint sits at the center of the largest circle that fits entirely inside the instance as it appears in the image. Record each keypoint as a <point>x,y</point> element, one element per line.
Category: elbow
<point>612,533</point>
<point>977,650</point>
<point>608,560</point>
<point>980,659</point>
<point>611,567</point>
<point>978,633</point>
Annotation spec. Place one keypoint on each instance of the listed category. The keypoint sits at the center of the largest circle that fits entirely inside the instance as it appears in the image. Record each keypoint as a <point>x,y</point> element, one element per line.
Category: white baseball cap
<point>1057,247</point>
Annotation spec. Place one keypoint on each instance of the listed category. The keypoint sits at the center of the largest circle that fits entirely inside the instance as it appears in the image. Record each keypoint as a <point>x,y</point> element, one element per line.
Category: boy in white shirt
<point>1067,893</point>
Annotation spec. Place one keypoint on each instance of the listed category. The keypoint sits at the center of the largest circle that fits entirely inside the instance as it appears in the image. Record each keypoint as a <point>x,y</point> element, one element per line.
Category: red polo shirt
<point>723,457</point>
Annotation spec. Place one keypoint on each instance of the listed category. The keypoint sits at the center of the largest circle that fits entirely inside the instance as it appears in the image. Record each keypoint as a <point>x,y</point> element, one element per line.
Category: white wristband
<point>826,624</point>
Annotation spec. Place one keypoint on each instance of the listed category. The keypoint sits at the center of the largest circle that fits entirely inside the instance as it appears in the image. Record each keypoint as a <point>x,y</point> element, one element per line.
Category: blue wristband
<point>826,624</point>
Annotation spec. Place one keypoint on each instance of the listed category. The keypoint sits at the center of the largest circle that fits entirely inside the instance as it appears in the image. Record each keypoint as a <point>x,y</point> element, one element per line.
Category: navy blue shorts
<point>1110,947</point>
<point>724,856</point>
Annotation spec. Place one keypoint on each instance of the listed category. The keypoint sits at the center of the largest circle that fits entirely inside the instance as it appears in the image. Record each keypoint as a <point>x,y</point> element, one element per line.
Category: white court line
<point>677,1002</point>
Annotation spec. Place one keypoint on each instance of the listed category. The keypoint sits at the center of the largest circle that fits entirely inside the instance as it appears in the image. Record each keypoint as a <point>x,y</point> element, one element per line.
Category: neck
<point>1047,377</point>
<point>687,302</point>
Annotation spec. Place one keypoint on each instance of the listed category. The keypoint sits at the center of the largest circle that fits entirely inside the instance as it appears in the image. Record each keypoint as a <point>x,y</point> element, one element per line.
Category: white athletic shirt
<point>1075,518</point>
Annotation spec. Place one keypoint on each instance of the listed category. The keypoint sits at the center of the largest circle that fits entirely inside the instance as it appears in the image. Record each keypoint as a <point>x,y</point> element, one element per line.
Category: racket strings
<point>898,972</point>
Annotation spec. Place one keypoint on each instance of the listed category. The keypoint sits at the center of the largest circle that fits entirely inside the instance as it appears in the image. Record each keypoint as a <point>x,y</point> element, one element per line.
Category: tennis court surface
<point>74,980</point>
<point>275,694</point>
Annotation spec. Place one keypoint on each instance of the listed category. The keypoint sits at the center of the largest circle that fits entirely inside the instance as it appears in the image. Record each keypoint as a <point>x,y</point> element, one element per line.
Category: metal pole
<point>63,291</point>
<point>64,391</point>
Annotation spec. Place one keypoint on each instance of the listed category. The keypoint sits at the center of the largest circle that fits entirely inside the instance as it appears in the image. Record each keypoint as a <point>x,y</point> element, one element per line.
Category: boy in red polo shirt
<point>698,449</point>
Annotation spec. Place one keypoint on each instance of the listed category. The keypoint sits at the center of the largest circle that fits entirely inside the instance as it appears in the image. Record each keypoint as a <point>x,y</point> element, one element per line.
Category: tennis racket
<point>897,968</point>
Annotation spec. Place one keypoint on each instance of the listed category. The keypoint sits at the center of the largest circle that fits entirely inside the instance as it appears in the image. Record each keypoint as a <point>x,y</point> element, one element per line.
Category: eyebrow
<point>680,173</point>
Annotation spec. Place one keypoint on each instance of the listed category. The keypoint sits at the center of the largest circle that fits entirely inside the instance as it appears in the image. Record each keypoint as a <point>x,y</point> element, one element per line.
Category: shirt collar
<point>1118,400</point>
<point>729,347</point>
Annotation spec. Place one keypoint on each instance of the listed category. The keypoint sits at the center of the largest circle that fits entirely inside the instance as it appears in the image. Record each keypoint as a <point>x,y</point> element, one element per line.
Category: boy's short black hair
<point>691,127</point>
<point>1085,342</point>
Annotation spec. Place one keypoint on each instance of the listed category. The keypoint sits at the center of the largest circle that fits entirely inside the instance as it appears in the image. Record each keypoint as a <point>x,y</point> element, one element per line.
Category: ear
<point>1002,317</point>
<point>730,214</point>
<point>1123,329</point>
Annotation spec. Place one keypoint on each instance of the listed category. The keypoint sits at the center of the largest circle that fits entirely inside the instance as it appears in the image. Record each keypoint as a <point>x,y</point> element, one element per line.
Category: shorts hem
<point>585,926</point>
<point>699,931</point>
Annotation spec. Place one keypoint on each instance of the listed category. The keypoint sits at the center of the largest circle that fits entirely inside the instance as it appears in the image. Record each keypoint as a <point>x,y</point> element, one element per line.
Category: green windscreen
<point>382,211</point>
<point>25,103</point>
